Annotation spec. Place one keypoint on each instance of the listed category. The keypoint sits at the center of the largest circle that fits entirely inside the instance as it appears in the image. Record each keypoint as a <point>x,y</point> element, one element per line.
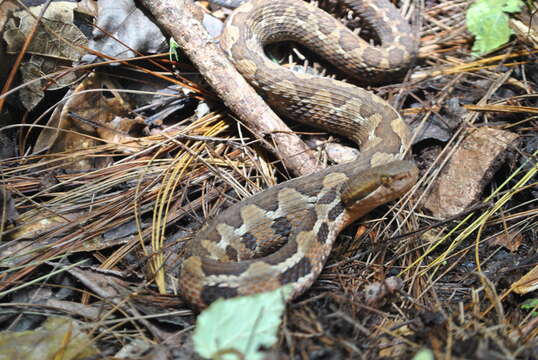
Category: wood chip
<point>471,167</point>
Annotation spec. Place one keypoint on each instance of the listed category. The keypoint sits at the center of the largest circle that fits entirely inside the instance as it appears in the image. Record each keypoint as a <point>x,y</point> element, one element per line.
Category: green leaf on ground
<point>531,304</point>
<point>487,20</point>
<point>424,354</point>
<point>236,328</point>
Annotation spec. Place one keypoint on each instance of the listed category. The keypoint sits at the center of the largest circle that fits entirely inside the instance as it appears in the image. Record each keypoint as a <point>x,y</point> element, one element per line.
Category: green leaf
<point>487,20</point>
<point>236,328</point>
<point>531,304</point>
<point>424,354</point>
<point>173,50</point>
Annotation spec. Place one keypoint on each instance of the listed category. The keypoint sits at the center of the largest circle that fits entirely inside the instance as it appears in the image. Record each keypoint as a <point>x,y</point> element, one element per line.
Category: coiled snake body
<point>284,234</point>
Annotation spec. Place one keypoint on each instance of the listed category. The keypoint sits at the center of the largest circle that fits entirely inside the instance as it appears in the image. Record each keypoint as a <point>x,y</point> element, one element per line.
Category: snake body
<point>283,235</point>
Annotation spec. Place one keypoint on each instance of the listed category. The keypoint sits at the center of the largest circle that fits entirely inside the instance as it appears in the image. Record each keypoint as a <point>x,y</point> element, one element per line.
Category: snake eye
<point>385,179</point>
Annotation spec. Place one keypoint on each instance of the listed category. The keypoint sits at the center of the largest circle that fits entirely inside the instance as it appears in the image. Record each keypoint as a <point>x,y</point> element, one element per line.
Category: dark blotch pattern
<point>212,293</point>
<point>335,211</point>
<point>323,233</point>
<point>233,216</point>
<point>231,253</point>
<point>270,205</point>
<point>328,197</point>
<point>281,227</point>
<point>285,252</point>
<point>307,220</point>
<point>249,241</point>
<point>312,189</point>
<point>214,267</point>
<point>297,271</point>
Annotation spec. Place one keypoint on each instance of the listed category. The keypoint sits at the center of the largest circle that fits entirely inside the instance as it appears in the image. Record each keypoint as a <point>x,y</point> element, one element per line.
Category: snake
<point>284,234</point>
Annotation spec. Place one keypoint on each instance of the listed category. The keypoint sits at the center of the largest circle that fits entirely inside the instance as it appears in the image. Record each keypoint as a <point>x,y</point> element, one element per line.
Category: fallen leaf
<point>58,338</point>
<point>55,45</point>
<point>527,283</point>
<point>240,325</point>
<point>66,132</point>
<point>511,241</point>
<point>123,29</point>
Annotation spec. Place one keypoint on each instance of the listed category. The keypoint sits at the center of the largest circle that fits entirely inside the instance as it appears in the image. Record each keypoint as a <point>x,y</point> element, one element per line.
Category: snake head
<point>371,188</point>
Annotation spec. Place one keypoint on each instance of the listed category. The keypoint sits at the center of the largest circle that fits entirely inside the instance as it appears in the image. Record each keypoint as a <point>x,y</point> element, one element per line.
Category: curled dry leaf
<point>86,115</point>
<point>57,335</point>
<point>527,283</point>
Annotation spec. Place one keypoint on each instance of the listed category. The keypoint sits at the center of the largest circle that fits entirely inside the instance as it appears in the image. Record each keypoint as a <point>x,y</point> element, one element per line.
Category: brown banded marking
<point>284,234</point>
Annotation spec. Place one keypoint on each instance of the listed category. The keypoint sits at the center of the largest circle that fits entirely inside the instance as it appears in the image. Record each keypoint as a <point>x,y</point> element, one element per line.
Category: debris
<point>469,170</point>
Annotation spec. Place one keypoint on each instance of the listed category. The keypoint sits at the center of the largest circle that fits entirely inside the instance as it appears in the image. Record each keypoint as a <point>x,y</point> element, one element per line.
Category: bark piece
<point>471,167</point>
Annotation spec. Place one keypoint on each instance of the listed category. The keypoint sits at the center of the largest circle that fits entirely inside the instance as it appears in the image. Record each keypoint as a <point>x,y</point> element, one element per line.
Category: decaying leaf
<point>86,116</point>
<point>57,338</point>
<point>55,45</point>
<point>8,213</point>
<point>56,37</point>
<point>511,241</point>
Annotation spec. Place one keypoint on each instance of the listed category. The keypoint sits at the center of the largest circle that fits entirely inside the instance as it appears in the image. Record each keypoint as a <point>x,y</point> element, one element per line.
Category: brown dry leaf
<point>5,8</point>
<point>471,167</point>
<point>67,133</point>
<point>6,61</point>
<point>388,347</point>
<point>89,312</point>
<point>37,67</point>
<point>511,241</point>
<point>57,338</point>
<point>87,7</point>
<point>35,223</point>
<point>104,285</point>
<point>55,45</point>
<point>58,38</point>
<point>527,283</point>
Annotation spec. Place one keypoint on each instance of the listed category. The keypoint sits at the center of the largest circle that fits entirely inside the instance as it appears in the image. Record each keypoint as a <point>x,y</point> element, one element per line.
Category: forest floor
<point>110,166</point>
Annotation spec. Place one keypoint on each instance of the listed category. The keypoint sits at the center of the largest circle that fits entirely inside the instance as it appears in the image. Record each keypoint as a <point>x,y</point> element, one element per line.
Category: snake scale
<point>283,235</point>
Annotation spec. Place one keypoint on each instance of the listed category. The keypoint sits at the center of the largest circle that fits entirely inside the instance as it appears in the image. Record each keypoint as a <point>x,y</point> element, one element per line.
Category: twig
<point>181,18</point>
